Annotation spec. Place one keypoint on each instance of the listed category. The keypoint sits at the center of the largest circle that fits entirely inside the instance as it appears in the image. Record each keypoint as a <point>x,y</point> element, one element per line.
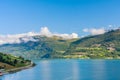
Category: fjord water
<point>69,70</point>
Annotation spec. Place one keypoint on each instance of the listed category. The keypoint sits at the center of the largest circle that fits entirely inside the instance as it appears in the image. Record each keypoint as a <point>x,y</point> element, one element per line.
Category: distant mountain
<point>43,47</point>
<point>106,45</point>
<point>99,46</point>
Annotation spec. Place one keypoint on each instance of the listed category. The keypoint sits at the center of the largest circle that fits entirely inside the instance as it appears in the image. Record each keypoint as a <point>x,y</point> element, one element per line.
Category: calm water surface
<point>69,70</point>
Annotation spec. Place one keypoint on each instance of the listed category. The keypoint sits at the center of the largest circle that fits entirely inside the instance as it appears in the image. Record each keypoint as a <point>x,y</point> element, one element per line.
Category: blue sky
<point>62,16</point>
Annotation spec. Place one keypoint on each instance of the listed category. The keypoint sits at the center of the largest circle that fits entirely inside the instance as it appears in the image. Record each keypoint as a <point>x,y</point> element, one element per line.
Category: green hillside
<point>44,47</point>
<point>8,61</point>
<point>99,46</point>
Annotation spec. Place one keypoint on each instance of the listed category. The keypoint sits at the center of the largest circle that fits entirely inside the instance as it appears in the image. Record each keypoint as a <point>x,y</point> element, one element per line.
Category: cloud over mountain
<point>94,31</point>
<point>17,38</point>
<point>25,37</point>
<point>45,32</point>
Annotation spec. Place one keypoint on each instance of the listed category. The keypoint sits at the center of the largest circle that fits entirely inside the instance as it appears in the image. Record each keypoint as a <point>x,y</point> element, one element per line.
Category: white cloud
<point>25,37</point>
<point>17,38</point>
<point>46,32</point>
<point>67,36</point>
<point>94,31</point>
<point>74,35</point>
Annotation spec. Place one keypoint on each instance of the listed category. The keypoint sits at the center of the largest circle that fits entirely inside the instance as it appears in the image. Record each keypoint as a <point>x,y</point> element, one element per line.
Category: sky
<point>59,16</point>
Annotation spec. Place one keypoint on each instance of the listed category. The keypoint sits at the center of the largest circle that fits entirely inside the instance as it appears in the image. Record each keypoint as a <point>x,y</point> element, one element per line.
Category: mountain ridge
<point>105,45</point>
<point>97,46</point>
<point>43,47</point>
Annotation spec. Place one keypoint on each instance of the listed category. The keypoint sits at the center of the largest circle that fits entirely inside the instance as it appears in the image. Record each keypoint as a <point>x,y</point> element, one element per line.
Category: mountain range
<point>43,47</point>
<point>105,45</point>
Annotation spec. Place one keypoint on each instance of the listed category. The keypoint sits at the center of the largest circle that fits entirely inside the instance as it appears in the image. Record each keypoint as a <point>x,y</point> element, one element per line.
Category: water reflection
<point>99,70</point>
<point>46,70</point>
<point>75,69</point>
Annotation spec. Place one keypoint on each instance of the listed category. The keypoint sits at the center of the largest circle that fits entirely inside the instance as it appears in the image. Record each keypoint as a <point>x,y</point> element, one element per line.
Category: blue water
<point>69,70</point>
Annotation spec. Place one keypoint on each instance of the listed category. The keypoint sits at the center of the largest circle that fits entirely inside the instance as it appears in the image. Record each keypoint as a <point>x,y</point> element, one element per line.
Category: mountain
<point>106,45</point>
<point>99,46</point>
<point>43,47</point>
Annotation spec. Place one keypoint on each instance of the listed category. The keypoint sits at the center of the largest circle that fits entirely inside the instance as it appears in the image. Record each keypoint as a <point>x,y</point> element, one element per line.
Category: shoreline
<point>19,68</point>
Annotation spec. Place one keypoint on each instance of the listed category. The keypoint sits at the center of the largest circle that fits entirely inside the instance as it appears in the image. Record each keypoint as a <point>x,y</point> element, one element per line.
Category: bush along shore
<point>10,63</point>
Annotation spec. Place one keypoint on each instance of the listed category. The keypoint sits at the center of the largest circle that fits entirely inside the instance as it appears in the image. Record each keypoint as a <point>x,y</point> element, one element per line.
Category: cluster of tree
<point>13,60</point>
